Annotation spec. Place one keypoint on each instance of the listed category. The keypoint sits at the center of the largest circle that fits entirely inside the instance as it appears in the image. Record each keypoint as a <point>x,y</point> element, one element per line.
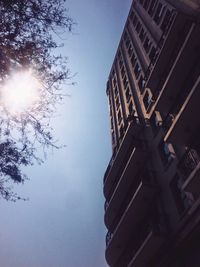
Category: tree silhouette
<point>28,33</point>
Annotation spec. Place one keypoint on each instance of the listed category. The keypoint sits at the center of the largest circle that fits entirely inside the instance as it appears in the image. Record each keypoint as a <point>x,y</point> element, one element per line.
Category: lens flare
<point>20,92</point>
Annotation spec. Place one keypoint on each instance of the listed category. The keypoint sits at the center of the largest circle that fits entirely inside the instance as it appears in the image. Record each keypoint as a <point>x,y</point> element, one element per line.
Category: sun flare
<point>20,92</point>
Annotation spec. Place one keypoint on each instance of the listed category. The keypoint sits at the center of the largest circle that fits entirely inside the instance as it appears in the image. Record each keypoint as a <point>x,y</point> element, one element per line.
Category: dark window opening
<point>159,13</point>
<point>133,60</point>
<point>113,138</point>
<point>138,27</point>
<point>117,102</point>
<point>148,99</point>
<point>119,116</point>
<point>146,4</point>
<point>130,50</point>
<point>116,91</point>
<point>152,7</point>
<point>152,54</point>
<point>141,83</point>
<point>137,70</point>
<point>134,21</point>
<point>122,71</point>
<point>111,123</point>
<point>131,108</point>
<point>128,94</point>
<point>127,43</point>
<point>142,35</point>
<point>125,36</point>
<point>147,45</point>
<point>121,131</point>
<point>132,15</point>
<point>125,81</point>
<point>166,21</point>
<point>120,63</point>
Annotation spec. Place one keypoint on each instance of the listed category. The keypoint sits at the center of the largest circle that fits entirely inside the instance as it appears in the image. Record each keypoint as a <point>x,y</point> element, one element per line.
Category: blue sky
<point>62,224</point>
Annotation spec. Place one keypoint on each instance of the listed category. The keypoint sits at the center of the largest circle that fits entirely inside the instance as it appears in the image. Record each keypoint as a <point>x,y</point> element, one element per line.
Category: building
<point>152,182</point>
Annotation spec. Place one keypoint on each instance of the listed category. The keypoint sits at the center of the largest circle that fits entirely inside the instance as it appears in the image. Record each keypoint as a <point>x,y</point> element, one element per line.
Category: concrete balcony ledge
<point>132,168</point>
<point>147,250</point>
<point>118,162</point>
<point>133,214</point>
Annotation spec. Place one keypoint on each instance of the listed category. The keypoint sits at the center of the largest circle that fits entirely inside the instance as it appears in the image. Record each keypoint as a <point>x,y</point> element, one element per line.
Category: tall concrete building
<point>152,182</point>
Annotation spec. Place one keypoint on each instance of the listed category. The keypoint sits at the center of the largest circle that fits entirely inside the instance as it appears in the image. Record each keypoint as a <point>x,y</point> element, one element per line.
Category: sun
<point>20,92</point>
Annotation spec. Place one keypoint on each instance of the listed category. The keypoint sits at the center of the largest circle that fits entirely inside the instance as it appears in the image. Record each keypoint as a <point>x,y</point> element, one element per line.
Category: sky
<point>62,223</point>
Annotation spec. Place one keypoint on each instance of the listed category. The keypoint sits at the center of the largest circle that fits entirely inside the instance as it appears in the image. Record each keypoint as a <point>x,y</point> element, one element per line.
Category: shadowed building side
<point>152,182</point>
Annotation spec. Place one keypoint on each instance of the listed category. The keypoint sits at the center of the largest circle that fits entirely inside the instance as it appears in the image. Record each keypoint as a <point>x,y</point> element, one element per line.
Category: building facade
<point>152,182</point>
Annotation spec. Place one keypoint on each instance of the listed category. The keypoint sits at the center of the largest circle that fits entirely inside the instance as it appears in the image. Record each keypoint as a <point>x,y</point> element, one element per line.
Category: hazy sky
<point>62,224</point>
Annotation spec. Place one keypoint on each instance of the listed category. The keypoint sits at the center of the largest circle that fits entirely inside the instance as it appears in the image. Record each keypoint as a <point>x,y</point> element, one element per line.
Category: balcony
<point>149,246</point>
<point>134,213</point>
<point>118,161</point>
<point>186,121</point>
<point>127,180</point>
<point>189,166</point>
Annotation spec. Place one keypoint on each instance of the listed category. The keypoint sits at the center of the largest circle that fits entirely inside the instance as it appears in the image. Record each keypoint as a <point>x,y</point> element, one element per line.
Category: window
<point>127,43</point>
<point>128,94</point>
<point>141,83</point>
<point>130,108</point>
<point>122,71</point>
<point>137,70</point>
<point>111,123</point>
<point>114,81</point>
<point>138,27</point>
<point>147,45</point>
<point>146,4</point>
<point>130,50</point>
<point>116,91</point>
<point>132,15</point>
<point>134,21</point>
<point>113,138</point>
<point>153,54</point>
<point>117,102</point>
<point>142,35</point>
<point>148,99</point>
<point>119,116</point>
<point>125,36</point>
<point>133,60</point>
<point>166,21</point>
<point>125,81</point>
<point>119,55</point>
<point>152,7</point>
<point>120,63</point>
<point>121,132</point>
<point>159,13</point>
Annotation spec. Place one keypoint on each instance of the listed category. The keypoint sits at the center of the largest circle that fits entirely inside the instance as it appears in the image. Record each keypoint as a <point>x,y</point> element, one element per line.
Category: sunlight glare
<point>20,92</point>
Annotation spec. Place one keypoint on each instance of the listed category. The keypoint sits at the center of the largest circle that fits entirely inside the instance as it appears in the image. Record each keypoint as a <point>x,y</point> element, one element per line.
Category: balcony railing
<point>133,127</point>
<point>118,162</point>
<point>188,162</point>
<point>143,244</point>
<point>132,214</point>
